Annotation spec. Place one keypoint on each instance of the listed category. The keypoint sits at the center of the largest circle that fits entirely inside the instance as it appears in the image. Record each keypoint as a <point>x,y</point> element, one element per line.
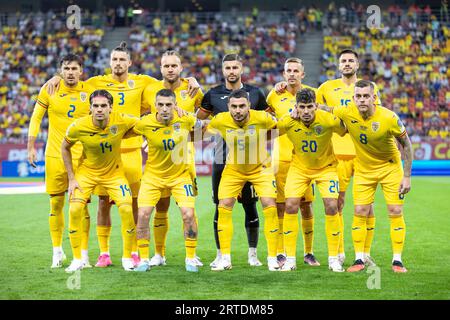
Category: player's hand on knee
<point>73,185</point>
<point>405,186</point>
<point>193,87</point>
<point>52,85</point>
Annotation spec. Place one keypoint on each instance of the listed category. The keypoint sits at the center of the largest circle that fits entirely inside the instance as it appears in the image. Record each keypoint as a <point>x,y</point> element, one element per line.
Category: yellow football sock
<point>280,240</point>
<point>332,231</point>
<point>56,220</point>
<point>128,229</point>
<point>308,235</point>
<point>359,231</point>
<point>225,229</point>
<point>370,227</point>
<point>75,234</point>
<point>271,229</point>
<point>191,245</point>
<point>160,228</point>
<point>103,236</point>
<point>398,233</point>
<point>144,248</point>
<point>291,227</point>
<point>341,249</point>
<point>85,227</point>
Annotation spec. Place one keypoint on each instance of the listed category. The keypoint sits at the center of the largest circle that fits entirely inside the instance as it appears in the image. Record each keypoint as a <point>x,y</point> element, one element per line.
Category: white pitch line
<point>23,190</point>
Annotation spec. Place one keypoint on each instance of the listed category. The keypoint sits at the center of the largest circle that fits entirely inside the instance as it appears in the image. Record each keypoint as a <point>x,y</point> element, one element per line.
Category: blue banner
<point>22,169</point>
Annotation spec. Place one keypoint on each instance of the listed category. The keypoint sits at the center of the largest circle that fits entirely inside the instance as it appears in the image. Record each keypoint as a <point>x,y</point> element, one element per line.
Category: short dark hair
<point>70,58</point>
<point>101,93</point>
<point>305,95</point>
<point>166,93</point>
<point>351,51</point>
<point>364,83</point>
<point>239,93</point>
<point>232,57</point>
<point>123,47</point>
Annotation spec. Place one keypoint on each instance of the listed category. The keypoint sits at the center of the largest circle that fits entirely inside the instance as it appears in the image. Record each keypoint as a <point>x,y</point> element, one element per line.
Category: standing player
<point>374,131</point>
<point>281,104</point>
<point>101,135</point>
<point>339,92</point>
<point>69,103</point>
<point>215,102</point>
<point>128,90</point>
<point>171,69</point>
<point>313,161</point>
<point>167,169</point>
<point>245,133</point>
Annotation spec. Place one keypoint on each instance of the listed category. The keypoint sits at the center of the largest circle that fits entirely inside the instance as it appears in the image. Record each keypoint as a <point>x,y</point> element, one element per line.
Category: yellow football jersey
<point>313,149</point>
<point>167,144</point>
<point>101,147</point>
<point>374,138</point>
<point>127,97</point>
<point>184,101</point>
<point>66,105</point>
<point>335,93</point>
<point>283,104</point>
<point>247,144</point>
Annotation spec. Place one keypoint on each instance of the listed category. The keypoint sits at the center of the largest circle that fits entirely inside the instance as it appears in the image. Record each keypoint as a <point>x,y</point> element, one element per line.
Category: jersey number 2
<point>71,111</point>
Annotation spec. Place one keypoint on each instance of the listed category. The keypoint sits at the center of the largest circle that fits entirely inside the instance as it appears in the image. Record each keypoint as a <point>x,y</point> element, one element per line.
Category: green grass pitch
<point>25,256</point>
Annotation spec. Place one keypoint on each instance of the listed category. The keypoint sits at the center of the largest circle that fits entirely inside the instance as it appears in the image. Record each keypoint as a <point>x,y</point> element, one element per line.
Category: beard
<point>236,79</point>
<point>173,80</point>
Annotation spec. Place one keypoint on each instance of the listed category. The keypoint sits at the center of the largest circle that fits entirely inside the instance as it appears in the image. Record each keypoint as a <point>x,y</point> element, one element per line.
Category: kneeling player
<point>313,161</point>
<point>100,134</point>
<point>167,171</point>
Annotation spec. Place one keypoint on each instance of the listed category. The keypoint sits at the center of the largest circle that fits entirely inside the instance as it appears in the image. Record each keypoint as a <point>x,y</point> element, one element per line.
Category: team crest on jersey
<point>176,127</point>
<point>113,129</point>
<point>183,94</point>
<point>375,126</point>
<point>318,130</point>
<point>83,96</point>
<point>131,84</point>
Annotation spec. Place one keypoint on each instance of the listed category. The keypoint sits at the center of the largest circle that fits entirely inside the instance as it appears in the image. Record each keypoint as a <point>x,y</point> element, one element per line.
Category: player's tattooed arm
<point>325,107</point>
<point>405,142</point>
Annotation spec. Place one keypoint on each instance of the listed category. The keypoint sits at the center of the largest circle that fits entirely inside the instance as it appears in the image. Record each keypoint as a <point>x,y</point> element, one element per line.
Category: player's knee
<point>57,203</point>
<point>395,210</point>
<point>268,202</point>
<point>76,209</point>
<point>292,205</point>
<point>306,210</point>
<point>362,210</point>
<point>228,202</point>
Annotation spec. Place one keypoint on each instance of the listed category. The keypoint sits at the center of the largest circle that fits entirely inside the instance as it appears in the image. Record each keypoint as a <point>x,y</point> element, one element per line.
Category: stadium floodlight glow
<point>137,11</point>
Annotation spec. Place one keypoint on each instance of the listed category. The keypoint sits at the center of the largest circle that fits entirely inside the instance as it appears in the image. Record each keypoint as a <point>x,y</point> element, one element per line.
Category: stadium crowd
<point>407,58</point>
